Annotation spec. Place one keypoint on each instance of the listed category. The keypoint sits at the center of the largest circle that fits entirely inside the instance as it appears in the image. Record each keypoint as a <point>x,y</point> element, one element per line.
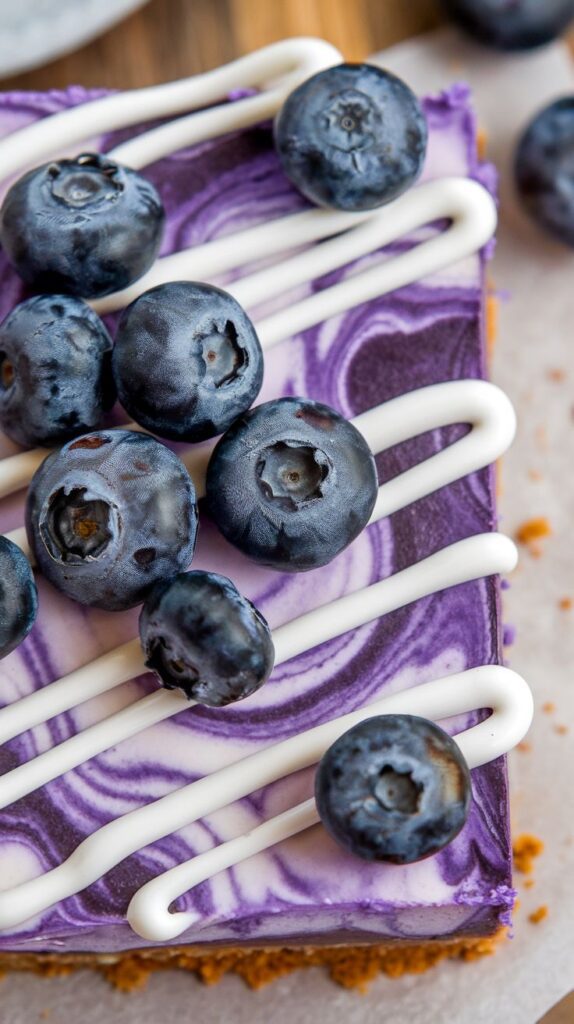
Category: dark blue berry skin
<point>352,137</point>
<point>110,514</point>
<point>512,24</point>
<point>544,169</point>
<point>55,370</point>
<point>394,788</point>
<point>18,597</point>
<point>206,358</point>
<point>291,483</point>
<point>201,636</point>
<point>84,227</point>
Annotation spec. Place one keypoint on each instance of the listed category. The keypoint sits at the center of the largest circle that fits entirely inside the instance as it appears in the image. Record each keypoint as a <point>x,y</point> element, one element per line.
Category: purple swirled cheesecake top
<point>305,889</point>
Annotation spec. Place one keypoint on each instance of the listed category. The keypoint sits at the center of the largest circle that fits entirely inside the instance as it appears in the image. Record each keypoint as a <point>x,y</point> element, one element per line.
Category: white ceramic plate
<point>33,32</point>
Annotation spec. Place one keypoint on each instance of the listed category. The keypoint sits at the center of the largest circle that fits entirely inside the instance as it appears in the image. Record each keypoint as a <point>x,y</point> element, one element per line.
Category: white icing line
<point>486,554</point>
<point>53,763</point>
<point>279,68</point>
<point>478,403</point>
<point>469,206</point>
<point>16,471</point>
<point>473,558</point>
<point>101,675</point>
<point>466,204</point>
<point>285,64</point>
<point>216,257</point>
<point>490,686</point>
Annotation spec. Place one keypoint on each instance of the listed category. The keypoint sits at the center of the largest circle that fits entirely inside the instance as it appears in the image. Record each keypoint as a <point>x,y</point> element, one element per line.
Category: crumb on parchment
<point>533,529</point>
<point>556,375</point>
<point>525,849</point>
<point>539,914</point>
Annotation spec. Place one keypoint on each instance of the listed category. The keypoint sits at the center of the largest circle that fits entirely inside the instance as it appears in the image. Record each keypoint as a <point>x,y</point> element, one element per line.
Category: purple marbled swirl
<point>305,889</point>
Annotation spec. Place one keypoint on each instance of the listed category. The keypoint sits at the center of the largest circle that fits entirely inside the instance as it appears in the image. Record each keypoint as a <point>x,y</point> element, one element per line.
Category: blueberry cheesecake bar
<point>333,551</point>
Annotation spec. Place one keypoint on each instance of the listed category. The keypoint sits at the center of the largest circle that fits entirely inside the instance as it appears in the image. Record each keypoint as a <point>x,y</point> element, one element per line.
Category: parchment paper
<point>534,363</point>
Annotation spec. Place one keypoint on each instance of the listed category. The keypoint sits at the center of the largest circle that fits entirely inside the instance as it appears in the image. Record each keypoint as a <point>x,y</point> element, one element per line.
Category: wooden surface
<point>172,38</point>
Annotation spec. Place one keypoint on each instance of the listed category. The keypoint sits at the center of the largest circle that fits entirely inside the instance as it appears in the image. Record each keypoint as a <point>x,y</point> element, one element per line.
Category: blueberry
<point>86,226</point>
<point>200,635</point>
<point>394,788</point>
<point>512,24</point>
<point>291,483</point>
<point>55,370</point>
<point>544,168</point>
<point>110,514</point>
<point>352,137</point>
<point>18,597</point>
<point>206,358</point>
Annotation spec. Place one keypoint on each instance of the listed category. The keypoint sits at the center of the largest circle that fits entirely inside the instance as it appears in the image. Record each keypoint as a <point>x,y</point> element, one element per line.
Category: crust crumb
<point>549,707</point>
<point>353,967</point>
<point>491,309</point>
<point>529,883</point>
<point>561,730</point>
<point>524,747</point>
<point>538,915</point>
<point>525,849</point>
<point>565,604</point>
<point>532,531</point>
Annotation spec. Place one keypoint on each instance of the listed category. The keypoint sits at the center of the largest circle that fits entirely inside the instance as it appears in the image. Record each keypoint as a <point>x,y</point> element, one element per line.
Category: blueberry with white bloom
<point>55,370</point>
<point>512,24</point>
<point>291,484</point>
<point>187,361</point>
<point>86,227</point>
<point>109,515</point>
<point>18,597</point>
<point>352,137</point>
<point>201,636</point>
<point>544,168</point>
<point>394,788</point>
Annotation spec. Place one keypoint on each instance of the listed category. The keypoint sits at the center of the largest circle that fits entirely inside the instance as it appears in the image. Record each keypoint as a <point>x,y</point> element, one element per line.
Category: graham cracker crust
<point>353,967</point>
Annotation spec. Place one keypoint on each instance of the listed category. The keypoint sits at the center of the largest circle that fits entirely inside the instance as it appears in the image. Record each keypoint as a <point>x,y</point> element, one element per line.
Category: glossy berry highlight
<point>394,788</point>
<point>85,227</point>
<point>352,137</point>
<point>18,597</point>
<point>544,169</point>
<point>55,370</point>
<point>291,484</point>
<point>109,515</point>
<point>187,361</point>
<point>201,636</point>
